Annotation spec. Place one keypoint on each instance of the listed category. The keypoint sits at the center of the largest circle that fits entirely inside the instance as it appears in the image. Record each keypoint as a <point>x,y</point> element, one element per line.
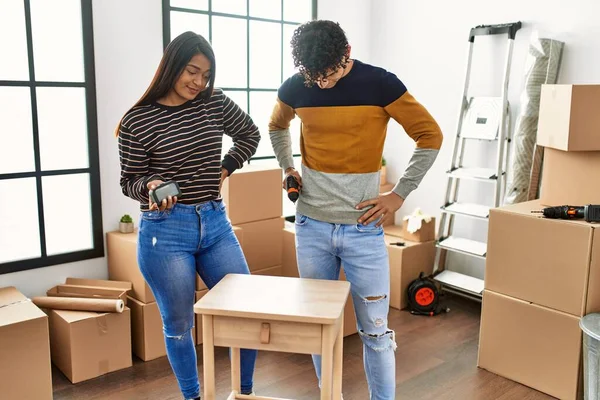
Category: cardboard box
<point>253,193</point>
<point>263,243</point>
<point>123,266</point>
<point>25,368</point>
<point>570,178</point>
<point>350,327</point>
<point>239,233</point>
<point>85,345</point>
<point>199,295</point>
<point>552,263</point>
<point>406,263</point>
<point>569,118</point>
<point>530,344</point>
<point>148,341</point>
<point>90,292</point>
<point>271,271</point>
<point>289,265</point>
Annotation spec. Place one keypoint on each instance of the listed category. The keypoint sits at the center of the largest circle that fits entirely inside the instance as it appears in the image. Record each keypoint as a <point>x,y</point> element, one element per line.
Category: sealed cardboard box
<point>85,345</point>
<point>271,271</point>
<point>253,193</point>
<point>199,295</point>
<point>530,344</point>
<point>569,118</point>
<point>263,243</point>
<point>552,263</point>
<point>569,178</point>
<point>239,233</point>
<point>123,266</point>
<point>25,369</point>
<point>406,263</point>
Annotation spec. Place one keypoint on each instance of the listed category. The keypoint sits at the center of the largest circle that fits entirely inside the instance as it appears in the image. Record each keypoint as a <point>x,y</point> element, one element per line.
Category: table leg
<point>327,342</point>
<point>236,383</point>
<point>338,360</point>
<point>208,357</point>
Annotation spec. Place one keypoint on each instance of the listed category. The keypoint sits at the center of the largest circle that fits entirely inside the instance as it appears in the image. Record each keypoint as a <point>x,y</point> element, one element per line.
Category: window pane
<point>19,230</point>
<point>288,60</point>
<point>67,213</point>
<point>62,128</point>
<point>229,42</point>
<point>265,55</point>
<point>241,99</point>
<point>13,41</point>
<point>265,9</point>
<point>193,4</point>
<point>237,7</point>
<point>15,128</point>
<point>261,107</point>
<point>297,10</point>
<point>183,22</point>
<point>57,42</point>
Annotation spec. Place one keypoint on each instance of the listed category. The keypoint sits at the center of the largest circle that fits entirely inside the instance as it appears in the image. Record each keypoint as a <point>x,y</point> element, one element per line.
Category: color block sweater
<point>343,130</point>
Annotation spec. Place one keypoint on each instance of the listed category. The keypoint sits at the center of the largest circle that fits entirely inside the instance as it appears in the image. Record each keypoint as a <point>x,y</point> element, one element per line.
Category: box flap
<point>99,283</point>
<point>15,307</point>
<point>76,316</point>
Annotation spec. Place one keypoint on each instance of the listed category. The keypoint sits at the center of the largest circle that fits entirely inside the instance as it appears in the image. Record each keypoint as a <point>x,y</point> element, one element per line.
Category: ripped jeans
<point>173,246</point>
<point>322,248</point>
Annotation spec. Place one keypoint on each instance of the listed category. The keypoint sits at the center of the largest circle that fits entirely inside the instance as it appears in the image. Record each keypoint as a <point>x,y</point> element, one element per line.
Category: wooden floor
<point>436,359</point>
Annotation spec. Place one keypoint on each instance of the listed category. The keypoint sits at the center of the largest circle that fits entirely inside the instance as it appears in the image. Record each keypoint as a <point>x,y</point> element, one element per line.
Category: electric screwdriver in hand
<point>292,188</point>
<point>589,213</point>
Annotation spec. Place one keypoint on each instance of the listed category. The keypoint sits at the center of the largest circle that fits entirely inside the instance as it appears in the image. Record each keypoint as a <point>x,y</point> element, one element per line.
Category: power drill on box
<point>589,213</point>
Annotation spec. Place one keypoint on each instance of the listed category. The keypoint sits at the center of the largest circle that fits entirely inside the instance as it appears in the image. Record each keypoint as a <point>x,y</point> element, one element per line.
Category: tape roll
<point>80,304</point>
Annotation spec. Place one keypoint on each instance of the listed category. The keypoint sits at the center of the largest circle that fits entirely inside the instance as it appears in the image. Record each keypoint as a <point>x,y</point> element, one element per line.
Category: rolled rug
<point>80,304</point>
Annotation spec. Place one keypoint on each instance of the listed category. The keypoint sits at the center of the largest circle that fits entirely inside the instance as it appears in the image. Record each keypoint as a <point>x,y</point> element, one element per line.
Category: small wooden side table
<point>271,313</point>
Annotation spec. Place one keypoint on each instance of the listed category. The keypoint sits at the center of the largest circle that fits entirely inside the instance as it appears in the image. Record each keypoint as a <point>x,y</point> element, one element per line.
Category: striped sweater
<point>183,143</point>
<point>343,131</point>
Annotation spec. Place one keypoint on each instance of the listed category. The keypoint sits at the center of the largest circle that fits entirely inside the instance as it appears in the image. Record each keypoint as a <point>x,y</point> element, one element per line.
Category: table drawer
<point>246,333</point>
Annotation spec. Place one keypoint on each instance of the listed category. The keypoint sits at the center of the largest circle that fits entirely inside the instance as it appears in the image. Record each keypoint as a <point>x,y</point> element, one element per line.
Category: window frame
<point>89,84</point>
<point>166,14</point>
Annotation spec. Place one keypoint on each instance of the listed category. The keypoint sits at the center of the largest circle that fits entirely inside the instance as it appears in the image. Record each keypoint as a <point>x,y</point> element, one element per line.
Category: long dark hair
<point>176,56</point>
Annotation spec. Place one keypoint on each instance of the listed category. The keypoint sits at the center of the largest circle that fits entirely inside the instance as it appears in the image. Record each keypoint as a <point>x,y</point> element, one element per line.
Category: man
<point>344,106</point>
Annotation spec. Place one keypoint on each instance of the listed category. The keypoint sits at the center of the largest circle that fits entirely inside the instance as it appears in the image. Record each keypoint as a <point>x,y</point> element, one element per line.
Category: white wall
<point>425,44</point>
<point>354,18</point>
<point>128,47</point>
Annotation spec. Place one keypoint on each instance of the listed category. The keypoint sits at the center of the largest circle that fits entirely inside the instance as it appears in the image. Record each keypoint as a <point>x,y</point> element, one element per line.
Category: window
<point>251,40</point>
<point>49,164</point>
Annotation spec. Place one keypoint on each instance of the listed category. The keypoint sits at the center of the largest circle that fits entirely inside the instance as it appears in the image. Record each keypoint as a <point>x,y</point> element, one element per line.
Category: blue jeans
<point>322,248</point>
<point>173,246</point>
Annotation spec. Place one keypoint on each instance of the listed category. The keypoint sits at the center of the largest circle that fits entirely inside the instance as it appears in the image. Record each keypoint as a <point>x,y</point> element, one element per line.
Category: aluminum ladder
<point>481,118</point>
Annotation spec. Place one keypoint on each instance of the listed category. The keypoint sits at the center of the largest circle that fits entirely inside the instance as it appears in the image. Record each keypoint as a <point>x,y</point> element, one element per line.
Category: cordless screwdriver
<point>589,213</point>
<point>292,188</point>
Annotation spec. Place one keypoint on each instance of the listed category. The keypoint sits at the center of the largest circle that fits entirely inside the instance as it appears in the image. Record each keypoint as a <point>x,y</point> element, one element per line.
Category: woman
<point>174,133</point>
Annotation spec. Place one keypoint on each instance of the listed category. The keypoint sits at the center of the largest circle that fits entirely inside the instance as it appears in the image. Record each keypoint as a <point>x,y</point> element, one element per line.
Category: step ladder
<point>480,118</point>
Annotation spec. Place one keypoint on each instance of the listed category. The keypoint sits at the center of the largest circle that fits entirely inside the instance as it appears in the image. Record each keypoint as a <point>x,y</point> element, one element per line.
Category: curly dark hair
<point>319,46</point>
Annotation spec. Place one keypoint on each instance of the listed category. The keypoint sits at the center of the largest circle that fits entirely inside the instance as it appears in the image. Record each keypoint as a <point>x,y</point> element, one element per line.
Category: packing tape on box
<point>15,302</point>
<point>80,304</point>
<point>416,219</point>
<point>102,323</point>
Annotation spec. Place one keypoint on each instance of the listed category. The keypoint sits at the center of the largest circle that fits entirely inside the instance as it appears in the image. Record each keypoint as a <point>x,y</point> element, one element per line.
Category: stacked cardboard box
<point>410,254</point>
<point>541,274</point>
<point>254,204</point>
<point>146,324</point>
<point>85,345</point>
<point>25,369</point>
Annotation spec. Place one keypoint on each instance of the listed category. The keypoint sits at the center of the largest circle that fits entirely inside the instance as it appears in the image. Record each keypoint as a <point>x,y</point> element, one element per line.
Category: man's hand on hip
<point>385,205</point>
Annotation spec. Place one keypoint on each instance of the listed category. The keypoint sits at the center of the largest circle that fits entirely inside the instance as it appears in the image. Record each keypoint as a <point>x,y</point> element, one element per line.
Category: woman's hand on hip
<point>224,175</point>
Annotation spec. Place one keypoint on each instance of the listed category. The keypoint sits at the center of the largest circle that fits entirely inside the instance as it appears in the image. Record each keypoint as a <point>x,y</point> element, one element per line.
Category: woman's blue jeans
<point>173,246</point>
